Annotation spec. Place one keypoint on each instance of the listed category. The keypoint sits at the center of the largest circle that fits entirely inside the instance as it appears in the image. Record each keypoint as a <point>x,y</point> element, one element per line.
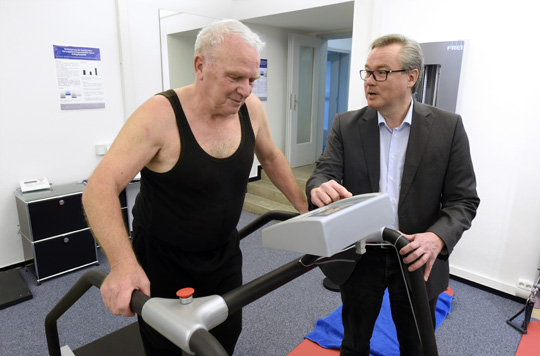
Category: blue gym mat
<point>328,331</point>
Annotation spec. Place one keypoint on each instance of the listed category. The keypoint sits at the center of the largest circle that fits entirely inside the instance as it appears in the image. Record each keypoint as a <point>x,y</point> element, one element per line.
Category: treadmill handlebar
<point>263,220</point>
<point>201,342</point>
<point>204,343</point>
<point>138,299</point>
<point>419,296</point>
<point>87,280</point>
<point>394,237</point>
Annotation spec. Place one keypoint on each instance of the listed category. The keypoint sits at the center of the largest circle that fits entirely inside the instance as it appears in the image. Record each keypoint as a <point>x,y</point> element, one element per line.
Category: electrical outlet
<point>525,284</point>
<point>102,148</point>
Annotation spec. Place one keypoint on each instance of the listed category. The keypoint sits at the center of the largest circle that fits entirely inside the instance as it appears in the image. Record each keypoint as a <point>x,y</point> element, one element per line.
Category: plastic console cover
<point>327,230</point>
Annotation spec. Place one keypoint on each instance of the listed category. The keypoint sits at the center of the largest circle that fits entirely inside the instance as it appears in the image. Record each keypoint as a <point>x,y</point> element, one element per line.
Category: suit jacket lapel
<point>421,124</point>
<point>371,147</point>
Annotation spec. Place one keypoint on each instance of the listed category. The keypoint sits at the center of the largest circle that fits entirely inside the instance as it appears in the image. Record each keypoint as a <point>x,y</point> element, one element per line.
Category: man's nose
<point>245,88</point>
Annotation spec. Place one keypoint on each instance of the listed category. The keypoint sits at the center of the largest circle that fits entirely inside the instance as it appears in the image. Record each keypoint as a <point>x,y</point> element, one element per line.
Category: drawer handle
<point>61,202</point>
<point>66,240</point>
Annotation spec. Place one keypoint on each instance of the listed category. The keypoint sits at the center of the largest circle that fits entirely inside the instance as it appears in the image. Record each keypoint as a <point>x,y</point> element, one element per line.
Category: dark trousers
<point>362,297</point>
<point>209,273</point>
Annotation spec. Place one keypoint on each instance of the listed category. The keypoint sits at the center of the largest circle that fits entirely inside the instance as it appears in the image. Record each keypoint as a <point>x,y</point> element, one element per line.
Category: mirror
<point>178,31</point>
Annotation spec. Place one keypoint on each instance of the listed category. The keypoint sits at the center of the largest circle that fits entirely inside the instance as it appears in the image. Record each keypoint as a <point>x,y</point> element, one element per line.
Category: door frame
<point>317,96</point>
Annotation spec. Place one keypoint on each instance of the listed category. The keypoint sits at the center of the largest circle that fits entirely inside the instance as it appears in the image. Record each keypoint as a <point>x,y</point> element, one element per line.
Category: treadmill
<point>322,235</point>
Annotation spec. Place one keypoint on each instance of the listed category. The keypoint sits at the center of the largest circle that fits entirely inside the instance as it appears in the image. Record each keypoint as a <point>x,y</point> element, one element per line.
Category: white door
<point>303,84</point>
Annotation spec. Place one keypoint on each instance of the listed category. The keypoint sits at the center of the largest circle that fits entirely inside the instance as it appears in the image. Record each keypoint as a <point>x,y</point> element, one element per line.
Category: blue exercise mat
<point>328,332</point>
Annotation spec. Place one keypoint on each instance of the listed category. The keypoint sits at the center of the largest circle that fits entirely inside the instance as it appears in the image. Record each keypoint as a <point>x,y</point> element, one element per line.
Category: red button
<point>185,293</point>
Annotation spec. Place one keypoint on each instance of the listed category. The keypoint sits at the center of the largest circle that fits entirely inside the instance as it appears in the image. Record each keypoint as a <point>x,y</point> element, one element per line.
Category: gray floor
<point>273,325</point>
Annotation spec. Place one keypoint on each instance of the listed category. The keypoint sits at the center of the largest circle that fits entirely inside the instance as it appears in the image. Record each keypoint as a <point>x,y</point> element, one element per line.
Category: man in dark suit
<point>420,156</point>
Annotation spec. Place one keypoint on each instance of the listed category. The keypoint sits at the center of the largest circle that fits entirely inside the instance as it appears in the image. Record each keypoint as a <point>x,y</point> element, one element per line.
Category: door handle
<point>293,102</point>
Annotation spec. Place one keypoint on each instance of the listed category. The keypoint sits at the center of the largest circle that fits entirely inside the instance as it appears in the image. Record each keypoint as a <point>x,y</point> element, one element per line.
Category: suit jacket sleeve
<point>330,164</point>
<point>459,199</point>
<point>351,156</point>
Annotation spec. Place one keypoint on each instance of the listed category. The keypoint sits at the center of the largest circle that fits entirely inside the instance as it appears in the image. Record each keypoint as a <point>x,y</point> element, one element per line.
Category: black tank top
<point>197,204</point>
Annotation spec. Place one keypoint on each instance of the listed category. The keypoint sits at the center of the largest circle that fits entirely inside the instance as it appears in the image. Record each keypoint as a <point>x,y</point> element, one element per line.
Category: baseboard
<point>16,266</point>
<point>509,291</point>
<point>494,291</point>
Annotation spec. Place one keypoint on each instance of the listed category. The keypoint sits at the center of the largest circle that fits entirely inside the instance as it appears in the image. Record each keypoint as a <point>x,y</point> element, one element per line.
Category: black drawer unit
<point>65,253</point>
<point>54,232</point>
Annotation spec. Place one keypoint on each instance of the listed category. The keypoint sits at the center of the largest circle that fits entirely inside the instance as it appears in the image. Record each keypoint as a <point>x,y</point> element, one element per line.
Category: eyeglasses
<point>378,75</point>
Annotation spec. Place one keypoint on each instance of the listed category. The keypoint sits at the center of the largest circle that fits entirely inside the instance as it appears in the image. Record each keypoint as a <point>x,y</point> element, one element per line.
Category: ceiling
<point>325,21</point>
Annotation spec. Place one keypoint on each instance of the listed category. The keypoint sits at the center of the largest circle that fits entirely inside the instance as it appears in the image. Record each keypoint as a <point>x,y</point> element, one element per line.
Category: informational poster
<point>80,78</point>
<point>260,88</point>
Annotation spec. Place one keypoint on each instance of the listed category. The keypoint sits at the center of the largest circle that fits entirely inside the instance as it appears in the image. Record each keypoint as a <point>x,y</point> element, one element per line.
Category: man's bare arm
<point>272,160</point>
<point>136,145</point>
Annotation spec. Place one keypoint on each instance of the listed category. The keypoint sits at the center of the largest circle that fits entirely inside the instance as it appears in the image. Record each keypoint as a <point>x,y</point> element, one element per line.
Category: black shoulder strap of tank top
<point>180,116</point>
<point>244,119</point>
<point>175,102</point>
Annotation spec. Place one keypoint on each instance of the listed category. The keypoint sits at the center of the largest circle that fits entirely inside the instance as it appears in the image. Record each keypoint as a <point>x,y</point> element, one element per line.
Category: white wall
<point>500,112</point>
<point>36,137</point>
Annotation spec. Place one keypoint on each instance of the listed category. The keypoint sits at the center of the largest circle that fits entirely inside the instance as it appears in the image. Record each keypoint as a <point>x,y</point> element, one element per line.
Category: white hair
<point>212,35</point>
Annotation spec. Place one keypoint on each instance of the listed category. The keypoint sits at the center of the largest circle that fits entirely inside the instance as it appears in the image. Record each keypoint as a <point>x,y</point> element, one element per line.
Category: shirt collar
<point>408,117</point>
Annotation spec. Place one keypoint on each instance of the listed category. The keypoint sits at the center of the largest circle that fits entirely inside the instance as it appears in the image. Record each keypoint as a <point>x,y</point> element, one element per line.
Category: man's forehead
<point>236,48</point>
<point>253,74</point>
<point>383,57</point>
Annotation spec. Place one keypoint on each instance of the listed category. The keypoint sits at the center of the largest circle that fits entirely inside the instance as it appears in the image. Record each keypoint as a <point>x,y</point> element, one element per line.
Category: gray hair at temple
<point>213,34</point>
<point>412,56</point>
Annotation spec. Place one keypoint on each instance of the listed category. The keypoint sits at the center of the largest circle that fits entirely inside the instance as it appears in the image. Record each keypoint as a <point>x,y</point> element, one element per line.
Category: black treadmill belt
<point>124,342</point>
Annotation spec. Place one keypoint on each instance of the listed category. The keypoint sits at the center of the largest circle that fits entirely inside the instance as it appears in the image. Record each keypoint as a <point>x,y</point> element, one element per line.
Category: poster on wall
<point>80,78</point>
<point>260,88</point>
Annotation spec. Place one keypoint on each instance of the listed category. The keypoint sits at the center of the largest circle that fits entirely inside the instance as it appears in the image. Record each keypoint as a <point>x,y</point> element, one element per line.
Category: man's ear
<point>413,77</point>
<point>198,65</point>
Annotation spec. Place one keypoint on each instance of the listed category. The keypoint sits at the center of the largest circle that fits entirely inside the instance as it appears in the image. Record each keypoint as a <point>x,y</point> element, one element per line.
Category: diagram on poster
<point>80,78</point>
<point>261,85</point>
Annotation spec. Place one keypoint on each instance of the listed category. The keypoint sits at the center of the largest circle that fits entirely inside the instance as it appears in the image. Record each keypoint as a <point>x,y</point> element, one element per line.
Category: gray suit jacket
<point>438,188</point>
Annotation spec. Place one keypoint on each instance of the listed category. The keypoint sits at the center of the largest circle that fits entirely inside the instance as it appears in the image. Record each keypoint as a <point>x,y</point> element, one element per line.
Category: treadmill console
<point>328,230</point>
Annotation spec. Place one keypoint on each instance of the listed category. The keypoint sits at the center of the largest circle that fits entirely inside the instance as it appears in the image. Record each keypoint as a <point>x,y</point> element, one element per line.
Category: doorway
<point>305,80</point>
<point>307,130</point>
<point>337,82</point>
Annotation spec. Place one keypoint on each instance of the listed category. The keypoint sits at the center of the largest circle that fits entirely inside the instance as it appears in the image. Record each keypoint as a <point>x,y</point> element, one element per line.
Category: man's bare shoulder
<point>257,115</point>
<point>255,109</point>
<point>154,115</point>
<point>254,103</point>
<point>150,136</point>
<point>156,106</point>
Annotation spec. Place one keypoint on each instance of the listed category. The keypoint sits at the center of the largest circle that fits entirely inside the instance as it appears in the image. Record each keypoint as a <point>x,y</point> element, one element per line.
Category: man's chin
<point>232,110</point>
<point>235,105</point>
<point>372,103</point>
